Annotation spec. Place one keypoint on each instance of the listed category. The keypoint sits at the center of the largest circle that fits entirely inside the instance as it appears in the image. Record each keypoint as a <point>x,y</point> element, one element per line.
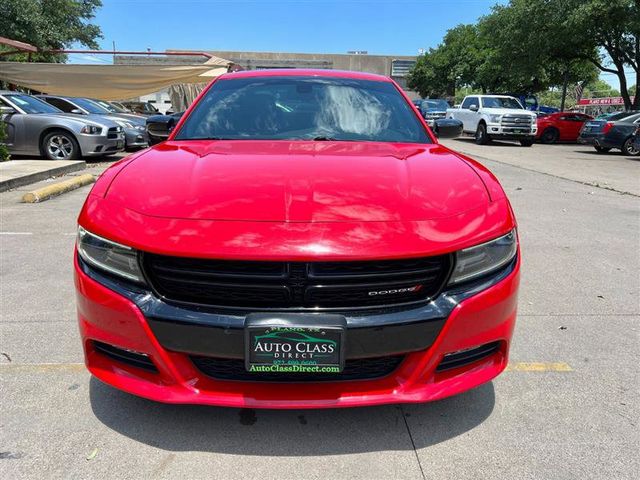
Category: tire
<point>526,143</point>
<point>60,145</point>
<point>550,135</point>
<point>481,135</point>
<point>600,149</point>
<point>628,148</point>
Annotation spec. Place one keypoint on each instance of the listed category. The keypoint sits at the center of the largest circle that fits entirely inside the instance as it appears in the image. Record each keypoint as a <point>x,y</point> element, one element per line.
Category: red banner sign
<point>602,101</point>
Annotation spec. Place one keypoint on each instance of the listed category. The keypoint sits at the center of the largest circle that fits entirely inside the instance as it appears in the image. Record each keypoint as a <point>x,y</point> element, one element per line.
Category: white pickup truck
<point>495,116</point>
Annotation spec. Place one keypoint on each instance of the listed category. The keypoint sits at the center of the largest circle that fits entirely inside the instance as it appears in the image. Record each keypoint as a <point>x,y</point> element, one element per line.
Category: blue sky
<point>324,26</point>
<point>398,27</point>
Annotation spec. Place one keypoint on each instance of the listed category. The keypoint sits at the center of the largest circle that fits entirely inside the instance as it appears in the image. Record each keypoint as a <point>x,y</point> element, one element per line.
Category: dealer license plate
<point>290,343</point>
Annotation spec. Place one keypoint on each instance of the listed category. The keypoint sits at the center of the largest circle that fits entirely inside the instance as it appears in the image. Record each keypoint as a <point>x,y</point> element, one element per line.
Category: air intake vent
<point>134,359</point>
<point>465,357</point>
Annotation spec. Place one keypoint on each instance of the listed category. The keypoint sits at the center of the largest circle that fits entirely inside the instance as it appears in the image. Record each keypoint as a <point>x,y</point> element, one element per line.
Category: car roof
<point>305,72</point>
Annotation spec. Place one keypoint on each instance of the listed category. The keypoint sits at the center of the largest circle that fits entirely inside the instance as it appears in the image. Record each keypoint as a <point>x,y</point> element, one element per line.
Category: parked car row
<point>34,127</point>
<point>503,117</point>
<point>66,128</point>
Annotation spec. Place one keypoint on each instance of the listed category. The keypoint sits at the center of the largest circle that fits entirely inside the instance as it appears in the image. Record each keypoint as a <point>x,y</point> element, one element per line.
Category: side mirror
<point>159,127</point>
<point>473,107</point>
<point>77,111</point>
<point>447,128</point>
<point>6,110</point>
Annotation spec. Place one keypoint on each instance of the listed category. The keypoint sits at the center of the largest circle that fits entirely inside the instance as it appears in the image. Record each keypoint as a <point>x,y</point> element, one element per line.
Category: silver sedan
<point>34,127</point>
<point>135,135</point>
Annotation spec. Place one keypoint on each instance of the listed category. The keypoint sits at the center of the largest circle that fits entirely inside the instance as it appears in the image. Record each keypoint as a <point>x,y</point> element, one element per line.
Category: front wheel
<point>60,145</point>
<point>550,135</point>
<point>600,149</point>
<point>481,135</point>
<point>629,149</point>
<point>526,143</point>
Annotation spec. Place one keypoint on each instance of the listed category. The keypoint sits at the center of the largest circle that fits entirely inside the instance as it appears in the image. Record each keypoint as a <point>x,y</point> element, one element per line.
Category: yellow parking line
<point>41,367</point>
<point>539,367</point>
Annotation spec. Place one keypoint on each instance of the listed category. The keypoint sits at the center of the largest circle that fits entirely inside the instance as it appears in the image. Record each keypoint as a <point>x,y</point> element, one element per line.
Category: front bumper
<point>136,320</point>
<point>96,145</point>
<point>497,130</point>
<point>135,138</point>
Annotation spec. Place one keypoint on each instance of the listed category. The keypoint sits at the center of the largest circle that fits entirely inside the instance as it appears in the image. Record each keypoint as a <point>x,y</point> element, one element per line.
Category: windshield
<point>435,105</point>
<point>32,105</point>
<point>108,106</point>
<point>501,102</point>
<point>300,107</point>
<point>90,106</point>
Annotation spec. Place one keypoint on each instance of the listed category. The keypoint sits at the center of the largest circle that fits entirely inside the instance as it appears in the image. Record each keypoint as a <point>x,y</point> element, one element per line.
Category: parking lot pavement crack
<point>413,444</point>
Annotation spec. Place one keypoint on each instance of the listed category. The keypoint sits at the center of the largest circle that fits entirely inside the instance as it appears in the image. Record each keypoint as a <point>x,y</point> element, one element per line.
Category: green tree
<point>599,89</point>
<point>49,25</point>
<point>612,29</point>
<point>530,50</point>
<point>453,63</point>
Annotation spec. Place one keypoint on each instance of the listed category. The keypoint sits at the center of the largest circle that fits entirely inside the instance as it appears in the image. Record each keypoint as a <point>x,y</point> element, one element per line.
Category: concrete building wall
<point>394,66</point>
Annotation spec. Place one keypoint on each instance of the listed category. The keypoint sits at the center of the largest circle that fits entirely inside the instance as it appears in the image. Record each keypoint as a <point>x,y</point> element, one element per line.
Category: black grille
<point>125,356</point>
<point>460,359</point>
<point>357,369</point>
<point>113,132</point>
<point>248,284</point>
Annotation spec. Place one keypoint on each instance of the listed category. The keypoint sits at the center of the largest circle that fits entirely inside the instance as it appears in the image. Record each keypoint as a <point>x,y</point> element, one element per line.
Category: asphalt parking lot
<point>568,408</point>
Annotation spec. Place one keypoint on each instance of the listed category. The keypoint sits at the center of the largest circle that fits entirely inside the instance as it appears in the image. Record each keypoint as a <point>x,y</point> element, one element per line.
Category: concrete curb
<point>30,178</point>
<point>45,193</point>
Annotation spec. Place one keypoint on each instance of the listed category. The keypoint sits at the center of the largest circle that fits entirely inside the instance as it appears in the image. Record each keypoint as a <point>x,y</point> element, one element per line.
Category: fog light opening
<point>461,358</point>
<point>123,355</point>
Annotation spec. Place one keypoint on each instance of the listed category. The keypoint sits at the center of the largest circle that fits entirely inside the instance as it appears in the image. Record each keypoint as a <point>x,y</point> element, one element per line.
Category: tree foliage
<point>49,24</point>
<point>4,151</point>
<point>529,46</point>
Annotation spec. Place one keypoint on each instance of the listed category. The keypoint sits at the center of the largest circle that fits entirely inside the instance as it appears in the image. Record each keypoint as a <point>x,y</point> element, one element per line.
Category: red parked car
<point>301,240</point>
<point>561,127</point>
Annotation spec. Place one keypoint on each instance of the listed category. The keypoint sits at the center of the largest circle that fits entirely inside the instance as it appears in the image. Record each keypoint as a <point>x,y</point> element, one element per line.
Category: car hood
<point>502,111</point>
<point>298,181</point>
<point>80,120</point>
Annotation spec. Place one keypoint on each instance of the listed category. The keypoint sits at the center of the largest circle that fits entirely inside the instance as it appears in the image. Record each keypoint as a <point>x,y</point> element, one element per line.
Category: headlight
<point>142,128</point>
<point>494,118</point>
<point>124,124</point>
<point>488,257</point>
<point>109,256</point>
<point>91,130</point>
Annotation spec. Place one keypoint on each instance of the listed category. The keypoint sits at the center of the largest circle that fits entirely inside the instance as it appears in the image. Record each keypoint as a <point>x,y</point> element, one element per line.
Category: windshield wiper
<point>323,138</point>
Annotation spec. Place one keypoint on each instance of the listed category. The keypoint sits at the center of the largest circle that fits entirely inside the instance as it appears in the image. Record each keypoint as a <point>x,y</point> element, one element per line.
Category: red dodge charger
<point>301,240</point>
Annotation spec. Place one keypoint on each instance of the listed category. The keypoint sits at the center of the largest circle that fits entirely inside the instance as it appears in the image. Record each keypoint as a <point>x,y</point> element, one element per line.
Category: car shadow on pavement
<point>289,432</point>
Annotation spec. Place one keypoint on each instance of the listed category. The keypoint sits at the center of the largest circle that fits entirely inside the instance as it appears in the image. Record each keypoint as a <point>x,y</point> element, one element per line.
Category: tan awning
<point>107,82</point>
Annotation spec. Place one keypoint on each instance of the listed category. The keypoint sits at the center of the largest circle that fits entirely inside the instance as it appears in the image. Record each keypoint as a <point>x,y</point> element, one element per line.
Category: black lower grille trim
<point>360,369</point>
<point>125,356</point>
<point>460,359</point>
